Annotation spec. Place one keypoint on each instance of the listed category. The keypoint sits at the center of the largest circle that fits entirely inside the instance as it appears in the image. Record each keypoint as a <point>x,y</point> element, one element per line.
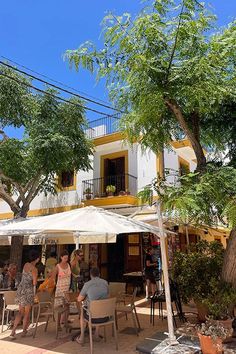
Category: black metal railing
<point>102,126</point>
<point>97,188</point>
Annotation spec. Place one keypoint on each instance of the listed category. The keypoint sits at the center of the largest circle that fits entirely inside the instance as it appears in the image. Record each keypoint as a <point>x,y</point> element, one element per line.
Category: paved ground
<point>45,342</point>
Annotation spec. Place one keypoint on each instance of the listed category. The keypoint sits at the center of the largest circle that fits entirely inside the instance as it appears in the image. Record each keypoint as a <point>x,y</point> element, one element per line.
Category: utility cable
<point>55,96</point>
<point>57,87</point>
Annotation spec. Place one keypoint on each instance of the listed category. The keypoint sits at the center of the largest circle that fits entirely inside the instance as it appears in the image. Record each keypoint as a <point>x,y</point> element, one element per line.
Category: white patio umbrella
<point>90,220</point>
<point>84,221</point>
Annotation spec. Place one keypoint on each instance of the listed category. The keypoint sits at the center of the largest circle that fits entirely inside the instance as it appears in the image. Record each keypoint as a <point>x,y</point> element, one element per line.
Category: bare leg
<point>26,318</point>
<point>82,329</point>
<point>153,288</point>
<point>17,320</point>
<point>147,287</point>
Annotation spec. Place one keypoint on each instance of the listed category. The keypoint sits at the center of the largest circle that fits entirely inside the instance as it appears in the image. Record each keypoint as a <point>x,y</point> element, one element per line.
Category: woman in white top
<point>63,273</point>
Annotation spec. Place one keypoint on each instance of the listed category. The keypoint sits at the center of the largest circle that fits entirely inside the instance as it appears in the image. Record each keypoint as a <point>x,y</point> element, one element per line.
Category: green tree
<point>169,69</point>
<point>207,199</point>
<point>54,141</point>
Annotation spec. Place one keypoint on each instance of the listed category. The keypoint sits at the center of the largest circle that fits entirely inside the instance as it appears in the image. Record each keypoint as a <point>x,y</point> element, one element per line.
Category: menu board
<point>93,255</point>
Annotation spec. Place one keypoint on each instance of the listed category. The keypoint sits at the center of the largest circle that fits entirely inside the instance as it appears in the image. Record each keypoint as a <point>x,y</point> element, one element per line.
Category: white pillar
<point>172,337</point>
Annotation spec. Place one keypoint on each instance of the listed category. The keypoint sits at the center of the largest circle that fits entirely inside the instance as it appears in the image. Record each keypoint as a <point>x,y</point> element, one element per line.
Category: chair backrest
<point>102,308</point>
<point>116,288</point>
<point>44,296</point>
<point>72,296</point>
<point>9,297</point>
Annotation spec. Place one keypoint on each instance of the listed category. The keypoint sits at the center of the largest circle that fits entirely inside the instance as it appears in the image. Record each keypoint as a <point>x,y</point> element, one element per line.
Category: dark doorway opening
<point>114,173</point>
<point>116,259</point>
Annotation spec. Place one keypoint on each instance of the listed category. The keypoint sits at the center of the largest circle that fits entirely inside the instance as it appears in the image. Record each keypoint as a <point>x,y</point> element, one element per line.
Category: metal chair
<point>159,297</point>
<point>129,309</point>
<point>8,305</point>
<point>101,309</point>
<point>46,308</point>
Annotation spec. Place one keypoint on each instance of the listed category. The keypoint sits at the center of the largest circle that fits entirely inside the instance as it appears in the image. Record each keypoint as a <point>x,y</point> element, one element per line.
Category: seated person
<point>49,283</point>
<point>94,289</point>
<point>12,278</point>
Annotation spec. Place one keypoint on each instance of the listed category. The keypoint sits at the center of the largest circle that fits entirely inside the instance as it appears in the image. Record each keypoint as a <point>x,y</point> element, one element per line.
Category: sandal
<point>79,341</point>
<point>12,336</point>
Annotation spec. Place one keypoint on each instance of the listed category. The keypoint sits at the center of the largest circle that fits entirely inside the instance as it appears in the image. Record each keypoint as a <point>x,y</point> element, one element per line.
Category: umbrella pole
<point>77,241</point>
<point>172,337</point>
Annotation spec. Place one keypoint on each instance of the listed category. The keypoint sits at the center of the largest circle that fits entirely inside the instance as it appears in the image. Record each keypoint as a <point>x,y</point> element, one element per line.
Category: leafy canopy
<point>197,199</point>
<point>54,140</point>
<point>171,52</point>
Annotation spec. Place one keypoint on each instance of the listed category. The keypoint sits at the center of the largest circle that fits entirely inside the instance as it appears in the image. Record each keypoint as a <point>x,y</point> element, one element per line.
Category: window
<point>67,180</point>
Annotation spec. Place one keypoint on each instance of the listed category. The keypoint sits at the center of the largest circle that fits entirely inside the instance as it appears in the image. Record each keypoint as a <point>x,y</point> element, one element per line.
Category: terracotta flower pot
<point>209,345</point>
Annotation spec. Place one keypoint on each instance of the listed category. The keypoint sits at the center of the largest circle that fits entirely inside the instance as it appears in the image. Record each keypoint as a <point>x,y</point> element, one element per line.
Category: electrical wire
<point>57,87</point>
<point>53,80</point>
<point>55,96</point>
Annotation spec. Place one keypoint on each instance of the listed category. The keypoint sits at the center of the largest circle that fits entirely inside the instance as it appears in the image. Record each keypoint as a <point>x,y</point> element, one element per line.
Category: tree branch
<point>175,43</point>
<point>176,110</point>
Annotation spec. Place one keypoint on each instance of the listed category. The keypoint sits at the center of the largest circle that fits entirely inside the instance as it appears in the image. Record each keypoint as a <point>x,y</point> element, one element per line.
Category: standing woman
<point>25,293</point>
<point>63,273</point>
<point>75,269</point>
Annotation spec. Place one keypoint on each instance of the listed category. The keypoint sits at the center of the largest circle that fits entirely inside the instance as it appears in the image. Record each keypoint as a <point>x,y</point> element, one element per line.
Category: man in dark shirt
<point>149,273</point>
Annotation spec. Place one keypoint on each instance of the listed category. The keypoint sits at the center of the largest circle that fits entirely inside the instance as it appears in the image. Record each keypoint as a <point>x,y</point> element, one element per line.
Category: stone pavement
<point>45,342</point>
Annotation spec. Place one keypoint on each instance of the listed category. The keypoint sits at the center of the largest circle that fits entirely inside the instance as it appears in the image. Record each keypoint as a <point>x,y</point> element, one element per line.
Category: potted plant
<point>110,189</point>
<point>96,195</point>
<point>88,193</point>
<point>211,336</point>
<point>198,274</point>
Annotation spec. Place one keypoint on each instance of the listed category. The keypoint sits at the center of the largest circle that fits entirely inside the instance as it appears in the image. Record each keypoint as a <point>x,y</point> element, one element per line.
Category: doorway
<point>116,259</point>
<point>114,173</point>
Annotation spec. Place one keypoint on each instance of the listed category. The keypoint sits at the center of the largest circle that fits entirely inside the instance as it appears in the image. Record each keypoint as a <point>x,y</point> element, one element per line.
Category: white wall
<point>147,168</point>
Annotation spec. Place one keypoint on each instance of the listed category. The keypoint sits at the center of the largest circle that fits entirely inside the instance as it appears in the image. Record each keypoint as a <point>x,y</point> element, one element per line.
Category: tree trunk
<point>18,240</point>
<point>16,250</point>
<point>229,264</point>
<point>198,150</point>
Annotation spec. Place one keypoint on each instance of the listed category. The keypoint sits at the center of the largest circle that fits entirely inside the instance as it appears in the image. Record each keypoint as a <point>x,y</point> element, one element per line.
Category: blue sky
<point>37,33</point>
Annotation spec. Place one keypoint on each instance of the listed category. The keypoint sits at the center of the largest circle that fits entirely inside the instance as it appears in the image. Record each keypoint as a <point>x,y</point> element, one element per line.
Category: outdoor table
<point>136,279</point>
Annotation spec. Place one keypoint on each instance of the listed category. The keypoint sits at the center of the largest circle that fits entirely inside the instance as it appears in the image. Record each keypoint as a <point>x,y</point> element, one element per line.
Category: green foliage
<point>198,275</point>
<point>54,140</point>
<point>110,188</point>
<point>169,53</point>
<point>198,199</point>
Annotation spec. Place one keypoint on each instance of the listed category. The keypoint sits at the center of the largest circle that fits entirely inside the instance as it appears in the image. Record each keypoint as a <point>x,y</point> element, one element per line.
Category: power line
<point>54,96</point>
<point>57,87</point>
<point>53,80</point>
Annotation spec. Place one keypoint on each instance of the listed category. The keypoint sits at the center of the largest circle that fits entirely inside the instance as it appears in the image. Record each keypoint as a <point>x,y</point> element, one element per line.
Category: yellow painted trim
<point>4,216</point>
<point>108,139</point>
<point>114,155</point>
<point>40,212</point>
<point>181,143</point>
<point>159,164</point>
<point>184,162</point>
<point>128,199</point>
<point>66,189</point>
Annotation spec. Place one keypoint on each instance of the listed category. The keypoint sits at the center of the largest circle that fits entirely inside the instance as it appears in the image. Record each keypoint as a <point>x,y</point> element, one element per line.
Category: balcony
<point>102,127</point>
<point>94,190</point>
